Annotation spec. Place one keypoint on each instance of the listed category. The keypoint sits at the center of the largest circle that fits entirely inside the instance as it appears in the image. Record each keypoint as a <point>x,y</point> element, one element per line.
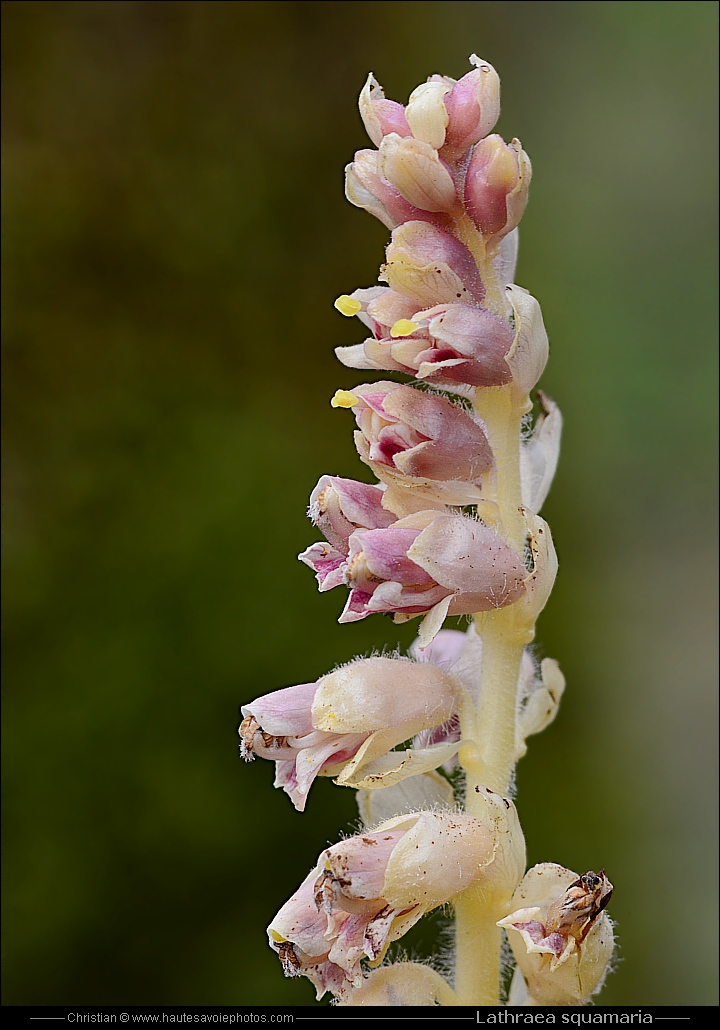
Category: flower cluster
<point>449,528</point>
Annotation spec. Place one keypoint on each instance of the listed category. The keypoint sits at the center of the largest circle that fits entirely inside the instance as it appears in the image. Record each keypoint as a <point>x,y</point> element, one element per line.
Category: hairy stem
<point>490,763</point>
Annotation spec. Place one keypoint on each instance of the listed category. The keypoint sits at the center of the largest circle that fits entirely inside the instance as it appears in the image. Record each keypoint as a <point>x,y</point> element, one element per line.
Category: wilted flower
<point>347,723</point>
<point>367,891</point>
<point>560,935</point>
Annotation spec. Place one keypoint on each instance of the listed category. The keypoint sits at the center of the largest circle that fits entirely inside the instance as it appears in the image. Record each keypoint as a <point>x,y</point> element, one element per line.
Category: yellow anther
<point>278,937</point>
<point>347,306</point>
<point>344,399</point>
<point>403,327</point>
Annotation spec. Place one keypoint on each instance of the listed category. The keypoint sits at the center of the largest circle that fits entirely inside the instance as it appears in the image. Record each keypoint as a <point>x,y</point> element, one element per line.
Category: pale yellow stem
<point>477,948</point>
<point>489,756</point>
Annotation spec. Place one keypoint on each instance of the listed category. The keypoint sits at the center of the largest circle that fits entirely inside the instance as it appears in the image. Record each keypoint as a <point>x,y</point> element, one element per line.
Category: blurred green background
<point>175,234</point>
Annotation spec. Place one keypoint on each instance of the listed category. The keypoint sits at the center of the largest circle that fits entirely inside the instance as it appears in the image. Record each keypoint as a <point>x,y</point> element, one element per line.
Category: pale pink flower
<point>347,723</point>
<point>496,186</point>
<point>413,438</point>
<point>430,559</point>
<point>338,507</point>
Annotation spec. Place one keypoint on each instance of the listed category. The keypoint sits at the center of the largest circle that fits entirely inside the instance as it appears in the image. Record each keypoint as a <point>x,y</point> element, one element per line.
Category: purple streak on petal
<point>327,564</point>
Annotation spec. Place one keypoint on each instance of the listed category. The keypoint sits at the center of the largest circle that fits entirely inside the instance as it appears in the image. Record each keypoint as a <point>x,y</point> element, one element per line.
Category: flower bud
<point>426,112</point>
<point>347,723</point>
<point>415,169</point>
<point>496,186</point>
<point>380,116</point>
<point>366,188</point>
<point>561,937</point>
<point>416,439</point>
<point>473,106</point>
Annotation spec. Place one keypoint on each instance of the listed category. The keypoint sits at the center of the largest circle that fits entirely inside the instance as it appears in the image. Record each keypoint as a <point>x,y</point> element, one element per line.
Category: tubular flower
<point>450,342</point>
<point>430,560</point>
<point>411,438</point>
<point>338,507</point>
<point>496,186</point>
<point>367,891</point>
<point>561,936</point>
<point>347,723</point>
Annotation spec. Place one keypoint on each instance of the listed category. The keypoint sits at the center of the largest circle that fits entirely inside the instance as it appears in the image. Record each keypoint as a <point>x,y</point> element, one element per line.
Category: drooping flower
<point>431,560</point>
<point>560,934</point>
<point>367,891</point>
<point>347,723</point>
<point>338,507</point>
<point>412,438</point>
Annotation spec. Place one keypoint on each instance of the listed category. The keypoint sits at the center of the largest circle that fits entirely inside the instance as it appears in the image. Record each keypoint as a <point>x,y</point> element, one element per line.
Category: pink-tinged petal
<point>431,266</point>
<point>339,506</point>
<point>456,446</point>
<point>410,600</point>
<point>414,168</point>
<point>355,357</point>
<point>390,307</point>
<point>384,553</point>
<point>297,935</point>
<point>366,188</point>
<point>359,863</point>
<point>472,332</point>
<point>380,116</point>
<point>334,748</point>
<point>444,651</point>
<point>473,106</point>
<point>496,186</point>
<point>284,713</point>
<point>356,606</point>
<point>327,564</point>
<point>471,560</point>
<point>286,779</point>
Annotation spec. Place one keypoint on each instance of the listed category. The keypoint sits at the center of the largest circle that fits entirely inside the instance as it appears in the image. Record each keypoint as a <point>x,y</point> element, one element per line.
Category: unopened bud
<point>473,106</point>
<point>496,186</point>
<point>426,113</point>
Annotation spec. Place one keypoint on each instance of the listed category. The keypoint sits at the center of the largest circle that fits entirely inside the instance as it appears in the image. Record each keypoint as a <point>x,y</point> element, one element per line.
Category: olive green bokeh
<point>175,233</point>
